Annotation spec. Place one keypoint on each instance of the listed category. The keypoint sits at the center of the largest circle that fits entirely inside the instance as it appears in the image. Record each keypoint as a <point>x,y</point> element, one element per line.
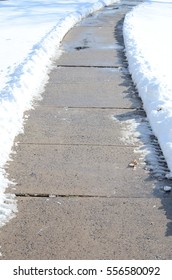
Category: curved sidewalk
<point>78,195</point>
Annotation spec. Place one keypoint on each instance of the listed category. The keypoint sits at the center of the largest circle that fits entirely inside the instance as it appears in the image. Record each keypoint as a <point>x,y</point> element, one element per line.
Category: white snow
<point>167,189</point>
<point>30,34</point>
<point>148,43</point>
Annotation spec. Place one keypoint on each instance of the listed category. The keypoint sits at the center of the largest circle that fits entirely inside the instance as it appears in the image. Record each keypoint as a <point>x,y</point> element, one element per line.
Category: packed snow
<point>31,32</point>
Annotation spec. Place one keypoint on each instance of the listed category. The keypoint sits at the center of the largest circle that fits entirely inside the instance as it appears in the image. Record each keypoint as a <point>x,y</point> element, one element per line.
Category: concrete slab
<point>104,41</point>
<point>88,228</point>
<point>130,3</point>
<point>84,37</point>
<point>79,170</point>
<point>107,95</point>
<point>93,58</point>
<point>111,89</point>
<point>87,75</point>
<point>111,15</point>
<point>99,21</point>
<point>75,126</point>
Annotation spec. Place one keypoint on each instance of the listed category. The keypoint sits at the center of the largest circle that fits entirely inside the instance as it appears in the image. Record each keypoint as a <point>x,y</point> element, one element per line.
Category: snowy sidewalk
<point>78,195</point>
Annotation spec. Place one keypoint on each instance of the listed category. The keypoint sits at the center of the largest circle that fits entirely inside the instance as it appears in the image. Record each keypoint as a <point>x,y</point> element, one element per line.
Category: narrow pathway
<point>78,197</point>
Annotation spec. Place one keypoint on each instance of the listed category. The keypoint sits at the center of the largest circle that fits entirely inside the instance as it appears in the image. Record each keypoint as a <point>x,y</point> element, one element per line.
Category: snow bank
<point>148,43</point>
<point>31,32</point>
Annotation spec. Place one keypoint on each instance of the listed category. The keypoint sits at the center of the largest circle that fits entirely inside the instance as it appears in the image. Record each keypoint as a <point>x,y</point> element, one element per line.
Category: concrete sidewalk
<point>77,196</point>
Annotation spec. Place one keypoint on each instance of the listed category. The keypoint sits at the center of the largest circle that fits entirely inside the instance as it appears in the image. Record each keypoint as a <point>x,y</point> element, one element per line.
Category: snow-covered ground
<point>148,41</point>
<point>30,34</point>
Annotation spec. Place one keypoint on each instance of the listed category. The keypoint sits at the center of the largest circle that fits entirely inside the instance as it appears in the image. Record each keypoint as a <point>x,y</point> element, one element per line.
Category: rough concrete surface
<point>69,87</point>
<point>88,228</point>
<point>78,195</point>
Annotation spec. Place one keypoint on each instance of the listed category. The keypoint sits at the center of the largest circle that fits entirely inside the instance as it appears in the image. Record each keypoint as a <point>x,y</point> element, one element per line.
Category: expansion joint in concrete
<point>94,107</point>
<point>78,144</point>
<point>121,67</point>
<point>47,195</point>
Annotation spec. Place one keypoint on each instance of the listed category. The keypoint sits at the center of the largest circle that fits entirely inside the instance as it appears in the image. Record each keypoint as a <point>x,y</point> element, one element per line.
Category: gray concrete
<point>69,86</point>
<point>87,228</point>
<point>74,126</point>
<point>78,198</point>
<point>79,170</point>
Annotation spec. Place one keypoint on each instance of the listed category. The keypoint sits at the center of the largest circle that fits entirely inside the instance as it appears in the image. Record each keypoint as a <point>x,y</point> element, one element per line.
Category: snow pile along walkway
<point>148,43</point>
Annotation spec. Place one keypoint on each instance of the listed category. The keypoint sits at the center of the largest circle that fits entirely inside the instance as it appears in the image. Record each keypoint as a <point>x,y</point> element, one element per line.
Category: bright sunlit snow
<point>148,42</point>
<point>30,34</point>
